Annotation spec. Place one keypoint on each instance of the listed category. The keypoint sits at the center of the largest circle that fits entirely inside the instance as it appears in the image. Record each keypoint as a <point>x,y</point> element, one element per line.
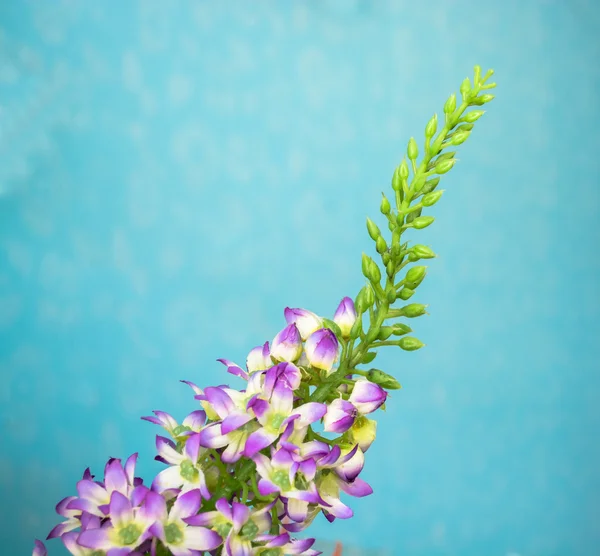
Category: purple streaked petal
<point>297,509</point>
<point>202,519</point>
<point>241,513</point>
<point>233,368</point>
<point>195,388</point>
<point>192,447</point>
<point>310,496</point>
<point>168,478</point>
<point>211,437</point>
<point>115,477</point>
<point>338,509</point>
<point>219,401</point>
<point>39,548</point>
<point>62,528</point>
<point>257,441</point>
<point>259,358</point>
<point>153,509</point>
<point>129,467</point>
<point>314,449</point>
<point>195,420</point>
<point>70,542</point>
<point>358,488</point>
<point>266,487</point>
<point>235,421</point>
<point>186,505</point>
<point>308,468</point>
<point>119,551</point>
<point>201,539</point>
<point>285,373</point>
<point>322,349</point>
<point>120,509</point>
<point>299,546</point>
<point>85,505</point>
<point>310,412</point>
<point>166,450</point>
<point>287,345</point>
<point>235,449</point>
<point>282,458</point>
<point>224,509</point>
<point>366,396</point>
<point>340,416</point>
<point>263,465</point>
<point>236,546</point>
<point>278,540</point>
<point>259,407</point>
<point>138,494</point>
<point>349,469</point>
<point>95,538</point>
<point>345,316</point>
<point>91,491</point>
<point>89,521</point>
<point>282,399</point>
<point>61,507</point>
<point>306,321</point>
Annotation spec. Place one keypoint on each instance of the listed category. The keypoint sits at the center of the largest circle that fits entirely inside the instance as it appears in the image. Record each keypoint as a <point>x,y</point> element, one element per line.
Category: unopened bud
<point>423,252</point>
<point>431,127</point>
<point>390,268</point>
<point>390,295</point>
<point>396,181</point>
<point>383,379</point>
<point>415,275</point>
<point>459,138</point>
<point>450,104</point>
<point>413,149</point>
<point>408,343</point>
<point>400,328</point>
<point>372,334</point>
<point>445,166</point>
<point>385,332</point>
<point>411,216</point>
<point>430,185</point>
<point>386,258</point>
<point>403,169</point>
<point>477,77</point>
<point>481,100</point>
<point>432,198</point>
<point>368,357</point>
<point>472,116</point>
<point>380,245</point>
<point>369,296</point>
<point>385,205</point>
<point>418,183</point>
<point>422,222</point>
<point>406,293</point>
<point>373,229</point>
<point>413,310</point>
<point>465,87</point>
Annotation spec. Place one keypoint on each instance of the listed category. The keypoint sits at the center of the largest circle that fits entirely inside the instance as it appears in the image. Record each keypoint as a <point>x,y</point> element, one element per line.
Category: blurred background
<point>174,174</point>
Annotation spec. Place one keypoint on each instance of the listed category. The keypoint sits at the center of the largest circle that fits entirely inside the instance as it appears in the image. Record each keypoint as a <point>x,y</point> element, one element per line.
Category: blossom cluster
<point>249,468</point>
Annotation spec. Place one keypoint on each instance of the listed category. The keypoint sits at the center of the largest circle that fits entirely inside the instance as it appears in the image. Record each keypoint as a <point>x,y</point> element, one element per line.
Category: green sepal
<point>385,205</point>
<point>356,329</point>
<point>333,327</point>
<point>430,185</point>
<point>410,217</point>
<point>409,343</point>
<point>372,334</point>
<point>432,198</point>
<point>383,379</point>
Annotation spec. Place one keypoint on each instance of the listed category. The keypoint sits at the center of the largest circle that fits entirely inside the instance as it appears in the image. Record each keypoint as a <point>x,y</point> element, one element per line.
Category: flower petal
<point>186,505</point>
<point>95,538</point>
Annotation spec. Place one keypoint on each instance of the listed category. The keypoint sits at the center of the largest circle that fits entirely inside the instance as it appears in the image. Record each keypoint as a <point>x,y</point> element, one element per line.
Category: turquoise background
<point>173,174</point>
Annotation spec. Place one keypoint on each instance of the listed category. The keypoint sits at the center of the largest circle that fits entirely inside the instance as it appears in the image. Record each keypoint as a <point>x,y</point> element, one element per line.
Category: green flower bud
<point>413,310</point>
<point>422,222</point>
<point>477,77</point>
<point>390,268</point>
<point>396,181</point>
<point>385,205</point>
<point>373,229</point>
<point>380,245</point>
<point>408,343</point>
<point>405,293</point>
<point>480,100</point>
<point>464,127</point>
<point>356,328</point>
<point>372,334</point>
<point>391,226</point>
<point>390,294</point>
<point>432,198</point>
<point>430,185</point>
<point>423,252</point>
<point>385,332</point>
<point>368,357</point>
<point>450,104</point>
<point>412,150</point>
<point>412,257</point>
<point>400,328</point>
<point>383,379</point>
<point>415,276</point>
<point>386,258</point>
<point>431,127</point>
<point>413,214</point>
<point>472,116</point>
<point>403,170</point>
<point>369,296</point>
<point>443,157</point>
<point>465,87</point>
<point>444,166</point>
<point>460,137</point>
<point>418,183</point>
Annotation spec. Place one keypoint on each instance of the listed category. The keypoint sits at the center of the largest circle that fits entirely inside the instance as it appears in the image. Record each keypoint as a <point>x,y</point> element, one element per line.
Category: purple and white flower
<point>287,345</point>
<point>322,349</point>
<point>366,396</point>
<point>306,321</point>
<point>340,416</point>
<point>362,432</point>
<point>259,358</point>
<point>172,530</point>
<point>345,316</point>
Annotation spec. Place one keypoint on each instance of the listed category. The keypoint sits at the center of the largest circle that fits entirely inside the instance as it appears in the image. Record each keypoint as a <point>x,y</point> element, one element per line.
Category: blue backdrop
<point>173,174</point>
